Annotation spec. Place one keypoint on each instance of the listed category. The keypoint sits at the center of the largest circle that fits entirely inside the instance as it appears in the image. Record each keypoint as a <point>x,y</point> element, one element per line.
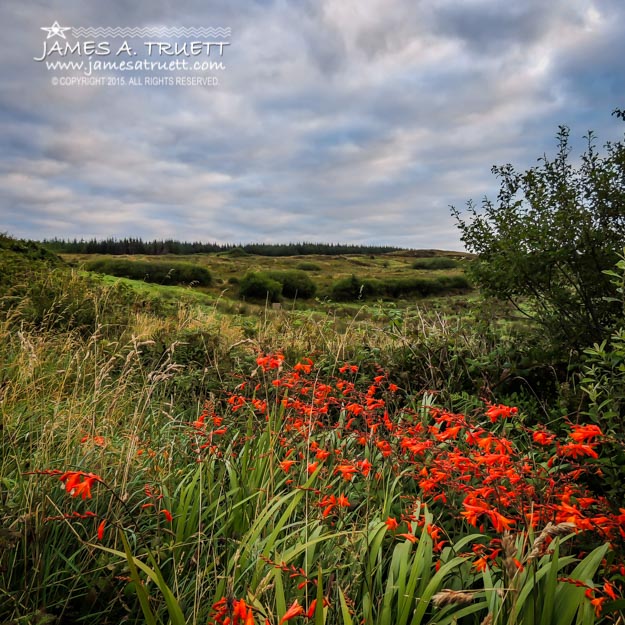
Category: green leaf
<point>347,618</point>
<point>142,594</point>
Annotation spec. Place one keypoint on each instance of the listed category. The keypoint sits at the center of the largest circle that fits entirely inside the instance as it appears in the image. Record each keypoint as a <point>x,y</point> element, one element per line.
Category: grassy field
<point>228,269</point>
<point>174,454</point>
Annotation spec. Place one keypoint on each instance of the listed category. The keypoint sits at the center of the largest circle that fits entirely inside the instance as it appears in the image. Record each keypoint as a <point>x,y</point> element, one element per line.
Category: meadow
<point>186,453</point>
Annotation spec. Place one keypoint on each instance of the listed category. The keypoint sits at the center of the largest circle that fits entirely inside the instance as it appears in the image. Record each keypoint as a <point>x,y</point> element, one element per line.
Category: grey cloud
<point>341,120</point>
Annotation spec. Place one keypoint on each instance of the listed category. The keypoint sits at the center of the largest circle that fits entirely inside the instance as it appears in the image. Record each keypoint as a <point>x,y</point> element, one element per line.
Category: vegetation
<point>295,284</point>
<point>156,272</point>
<point>434,263</point>
<point>260,286</point>
<point>308,266</point>
<point>169,246</point>
<point>175,455</point>
<point>205,475</point>
<point>354,288</point>
<point>546,244</point>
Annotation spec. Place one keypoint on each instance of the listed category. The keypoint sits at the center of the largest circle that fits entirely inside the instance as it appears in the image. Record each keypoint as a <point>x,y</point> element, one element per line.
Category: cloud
<point>335,120</point>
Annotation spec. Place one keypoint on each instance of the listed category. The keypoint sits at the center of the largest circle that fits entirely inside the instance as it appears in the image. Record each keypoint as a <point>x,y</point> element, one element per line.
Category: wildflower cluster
<point>336,446</point>
<point>342,442</point>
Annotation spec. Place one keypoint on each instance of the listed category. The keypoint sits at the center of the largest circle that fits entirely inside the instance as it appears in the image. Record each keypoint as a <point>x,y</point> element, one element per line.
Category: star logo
<point>56,30</point>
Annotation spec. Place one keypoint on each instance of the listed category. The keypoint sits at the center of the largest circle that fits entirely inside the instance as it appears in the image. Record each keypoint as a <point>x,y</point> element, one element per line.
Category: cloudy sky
<point>332,120</point>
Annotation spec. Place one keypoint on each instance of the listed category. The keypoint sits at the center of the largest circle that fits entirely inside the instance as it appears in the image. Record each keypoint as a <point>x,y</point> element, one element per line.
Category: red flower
<point>270,361</point>
<point>542,437</point>
<point>347,471</point>
<point>500,412</point>
<point>578,450</point>
<point>74,486</point>
<point>391,523</point>
<point>481,564</point>
<point>583,433</point>
<point>304,367</point>
<point>168,515</point>
<point>101,529</point>
<point>295,610</point>
<point>100,441</point>
<point>608,589</point>
<point>286,465</point>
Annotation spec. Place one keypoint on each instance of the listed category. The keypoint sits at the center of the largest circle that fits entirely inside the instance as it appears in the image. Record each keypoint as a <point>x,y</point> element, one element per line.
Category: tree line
<point>130,245</point>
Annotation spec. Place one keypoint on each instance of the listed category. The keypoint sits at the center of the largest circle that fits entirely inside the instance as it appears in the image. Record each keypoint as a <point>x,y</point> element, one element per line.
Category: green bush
<point>353,288</point>
<point>295,284</point>
<point>547,240</point>
<point>435,263</point>
<point>258,285</point>
<point>307,266</point>
<point>157,272</point>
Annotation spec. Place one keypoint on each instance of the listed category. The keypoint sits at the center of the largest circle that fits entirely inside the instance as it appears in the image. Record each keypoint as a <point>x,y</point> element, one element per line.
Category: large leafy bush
<point>546,242</point>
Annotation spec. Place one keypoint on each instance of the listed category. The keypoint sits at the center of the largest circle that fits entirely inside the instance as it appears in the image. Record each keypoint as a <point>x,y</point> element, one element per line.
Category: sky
<point>346,121</point>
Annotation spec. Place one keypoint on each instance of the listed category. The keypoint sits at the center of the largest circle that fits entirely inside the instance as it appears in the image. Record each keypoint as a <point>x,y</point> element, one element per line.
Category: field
<point>185,454</point>
<point>228,269</point>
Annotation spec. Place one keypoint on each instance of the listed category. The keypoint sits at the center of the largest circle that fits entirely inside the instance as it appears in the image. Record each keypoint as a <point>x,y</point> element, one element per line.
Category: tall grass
<point>187,426</point>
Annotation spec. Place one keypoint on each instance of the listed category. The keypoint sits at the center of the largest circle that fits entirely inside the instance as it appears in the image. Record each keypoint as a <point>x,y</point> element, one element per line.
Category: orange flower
<point>582,433</point>
<point>311,609</point>
<point>391,524</point>
<point>99,441</point>
<point>481,564</point>
<point>500,412</point>
<point>101,529</point>
<point>168,515</point>
<point>343,501</point>
<point>295,610</point>
<point>286,465</point>
<point>346,470</point>
<point>364,466</point>
<point>578,450</point>
<point>542,437</point>
<point>500,522</point>
<point>270,361</point>
<point>304,367</point>
<point>199,424</point>
<point>597,602</point>
<point>608,589</point>
<point>448,433</point>
<point>74,486</point>
<point>473,512</point>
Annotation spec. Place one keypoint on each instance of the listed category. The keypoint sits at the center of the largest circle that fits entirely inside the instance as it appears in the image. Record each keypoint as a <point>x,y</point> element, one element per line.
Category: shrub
<point>435,263</point>
<point>258,285</point>
<point>353,288</point>
<point>546,241</point>
<point>307,266</point>
<point>294,284</point>
<point>236,252</point>
<point>157,272</point>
